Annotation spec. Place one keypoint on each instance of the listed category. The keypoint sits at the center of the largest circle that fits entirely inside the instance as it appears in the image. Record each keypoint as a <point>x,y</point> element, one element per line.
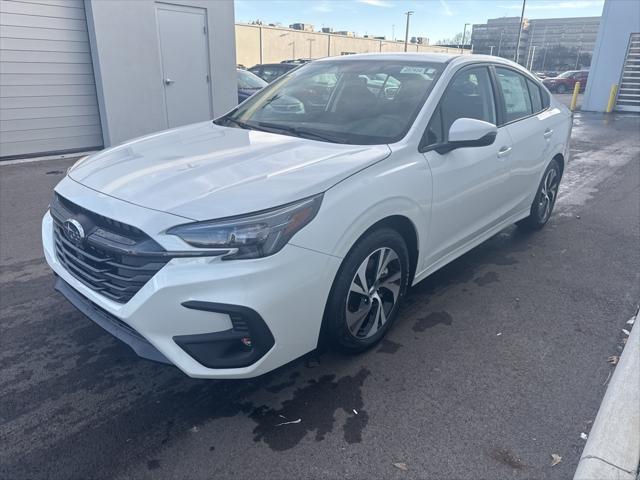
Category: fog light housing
<point>248,340</point>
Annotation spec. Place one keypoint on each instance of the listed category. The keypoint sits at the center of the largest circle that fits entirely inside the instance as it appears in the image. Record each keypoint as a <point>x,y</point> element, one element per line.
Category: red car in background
<point>565,82</point>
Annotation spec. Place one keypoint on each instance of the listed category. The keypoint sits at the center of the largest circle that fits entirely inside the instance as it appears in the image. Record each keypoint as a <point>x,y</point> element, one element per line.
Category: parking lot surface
<point>496,362</point>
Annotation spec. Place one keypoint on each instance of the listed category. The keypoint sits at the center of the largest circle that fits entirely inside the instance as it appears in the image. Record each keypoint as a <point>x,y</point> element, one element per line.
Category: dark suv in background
<point>566,81</point>
<point>270,71</point>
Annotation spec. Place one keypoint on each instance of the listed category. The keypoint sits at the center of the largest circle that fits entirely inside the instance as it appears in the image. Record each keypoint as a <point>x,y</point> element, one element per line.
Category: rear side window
<point>516,94</point>
<point>536,98</point>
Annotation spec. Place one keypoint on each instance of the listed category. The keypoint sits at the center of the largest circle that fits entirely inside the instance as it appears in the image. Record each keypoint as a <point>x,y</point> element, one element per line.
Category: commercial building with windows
<point>616,59</point>
<point>499,36</point>
<point>79,75</point>
<point>545,44</point>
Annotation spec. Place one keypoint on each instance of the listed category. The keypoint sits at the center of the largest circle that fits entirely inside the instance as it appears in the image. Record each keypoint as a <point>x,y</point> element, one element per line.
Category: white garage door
<point>629,92</point>
<point>47,92</point>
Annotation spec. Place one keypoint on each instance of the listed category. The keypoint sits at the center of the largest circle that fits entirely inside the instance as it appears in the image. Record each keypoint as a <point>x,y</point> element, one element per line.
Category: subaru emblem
<point>73,231</point>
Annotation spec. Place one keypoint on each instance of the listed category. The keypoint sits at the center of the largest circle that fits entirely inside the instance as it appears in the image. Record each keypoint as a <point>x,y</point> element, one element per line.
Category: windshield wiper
<point>299,132</point>
<point>234,121</point>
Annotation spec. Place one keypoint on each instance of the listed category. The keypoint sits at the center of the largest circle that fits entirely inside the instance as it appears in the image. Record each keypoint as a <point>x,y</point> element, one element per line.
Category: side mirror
<point>468,132</point>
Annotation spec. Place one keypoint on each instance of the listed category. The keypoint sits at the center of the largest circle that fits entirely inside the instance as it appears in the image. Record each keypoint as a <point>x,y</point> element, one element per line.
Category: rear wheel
<point>545,198</point>
<point>367,291</point>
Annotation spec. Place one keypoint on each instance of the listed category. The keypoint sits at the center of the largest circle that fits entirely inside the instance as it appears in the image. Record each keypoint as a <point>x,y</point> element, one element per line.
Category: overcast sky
<point>435,19</point>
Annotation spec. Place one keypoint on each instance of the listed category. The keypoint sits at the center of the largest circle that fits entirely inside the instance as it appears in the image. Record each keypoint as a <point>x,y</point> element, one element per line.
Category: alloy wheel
<point>548,194</point>
<point>373,293</point>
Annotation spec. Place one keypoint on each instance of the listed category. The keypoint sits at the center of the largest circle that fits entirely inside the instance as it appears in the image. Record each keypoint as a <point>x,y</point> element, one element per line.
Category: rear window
<point>516,94</point>
<point>536,98</point>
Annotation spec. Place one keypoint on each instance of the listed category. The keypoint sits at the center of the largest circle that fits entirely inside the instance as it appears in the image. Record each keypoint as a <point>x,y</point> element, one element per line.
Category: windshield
<point>249,81</point>
<point>360,102</point>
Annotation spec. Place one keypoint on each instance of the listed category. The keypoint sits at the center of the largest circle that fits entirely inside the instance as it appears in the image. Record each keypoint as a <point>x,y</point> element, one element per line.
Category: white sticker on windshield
<point>419,70</point>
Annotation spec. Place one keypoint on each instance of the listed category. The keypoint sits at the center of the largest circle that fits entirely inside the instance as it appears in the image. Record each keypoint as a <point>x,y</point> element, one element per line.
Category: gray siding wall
<point>47,90</point>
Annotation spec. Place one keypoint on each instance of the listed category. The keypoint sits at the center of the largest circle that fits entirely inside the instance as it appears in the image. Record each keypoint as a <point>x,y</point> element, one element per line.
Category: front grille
<point>114,259</point>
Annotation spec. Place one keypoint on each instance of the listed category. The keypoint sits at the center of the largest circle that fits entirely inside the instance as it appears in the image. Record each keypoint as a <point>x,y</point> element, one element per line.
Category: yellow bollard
<point>612,97</point>
<point>574,99</point>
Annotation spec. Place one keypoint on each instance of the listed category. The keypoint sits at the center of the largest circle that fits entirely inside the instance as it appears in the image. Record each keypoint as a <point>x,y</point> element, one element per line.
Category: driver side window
<point>469,95</point>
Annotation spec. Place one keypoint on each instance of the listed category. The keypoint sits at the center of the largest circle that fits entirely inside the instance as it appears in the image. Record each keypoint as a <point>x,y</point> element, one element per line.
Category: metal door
<point>185,63</point>
<point>629,92</point>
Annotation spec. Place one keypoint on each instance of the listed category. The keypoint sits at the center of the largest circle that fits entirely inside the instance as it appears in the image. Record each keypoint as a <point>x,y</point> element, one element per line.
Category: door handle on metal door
<point>504,151</point>
<point>168,81</point>
<point>548,132</point>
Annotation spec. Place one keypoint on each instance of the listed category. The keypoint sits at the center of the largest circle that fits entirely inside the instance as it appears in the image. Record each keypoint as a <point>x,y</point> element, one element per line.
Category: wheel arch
<point>560,158</point>
<point>405,227</point>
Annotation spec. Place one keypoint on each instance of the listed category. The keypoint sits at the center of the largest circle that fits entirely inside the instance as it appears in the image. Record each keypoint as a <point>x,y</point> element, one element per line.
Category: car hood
<point>205,171</point>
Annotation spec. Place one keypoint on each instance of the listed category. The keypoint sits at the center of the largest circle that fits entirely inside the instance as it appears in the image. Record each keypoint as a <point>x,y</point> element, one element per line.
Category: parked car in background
<point>228,247</point>
<point>298,61</point>
<point>270,71</point>
<point>248,84</point>
<point>566,81</point>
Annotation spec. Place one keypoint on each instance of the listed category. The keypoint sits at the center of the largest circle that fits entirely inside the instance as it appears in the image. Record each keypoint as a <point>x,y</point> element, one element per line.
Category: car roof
<point>423,57</point>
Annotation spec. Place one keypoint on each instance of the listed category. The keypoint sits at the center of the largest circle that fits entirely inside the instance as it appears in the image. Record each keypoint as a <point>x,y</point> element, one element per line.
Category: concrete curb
<point>613,448</point>
<point>61,156</point>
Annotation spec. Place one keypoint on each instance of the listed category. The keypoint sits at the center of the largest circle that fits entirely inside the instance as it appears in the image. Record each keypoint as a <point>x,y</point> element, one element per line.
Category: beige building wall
<point>260,44</point>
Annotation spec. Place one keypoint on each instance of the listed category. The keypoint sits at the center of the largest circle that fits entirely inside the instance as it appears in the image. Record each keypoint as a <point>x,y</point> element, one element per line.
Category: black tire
<point>539,215</point>
<point>344,301</point>
<point>561,88</point>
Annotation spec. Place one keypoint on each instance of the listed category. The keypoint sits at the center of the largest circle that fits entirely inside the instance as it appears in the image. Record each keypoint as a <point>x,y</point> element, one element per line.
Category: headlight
<point>254,235</point>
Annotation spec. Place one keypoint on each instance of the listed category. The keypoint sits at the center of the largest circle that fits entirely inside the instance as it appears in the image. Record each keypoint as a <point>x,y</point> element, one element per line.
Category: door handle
<point>168,81</point>
<point>504,151</point>
<point>548,132</point>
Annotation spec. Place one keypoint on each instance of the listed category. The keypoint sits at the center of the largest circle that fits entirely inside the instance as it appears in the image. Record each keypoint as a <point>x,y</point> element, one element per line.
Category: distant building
<point>499,36</point>
<point>422,40</point>
<point>307,27</point>
<point>545,44</point>
<point>327,30</point>
<point>345,33</point>
<point>561,43</point>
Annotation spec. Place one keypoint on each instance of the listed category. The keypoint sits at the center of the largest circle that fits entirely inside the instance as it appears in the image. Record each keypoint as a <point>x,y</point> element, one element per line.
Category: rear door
<point>470,185</point>
<point>523,108</point>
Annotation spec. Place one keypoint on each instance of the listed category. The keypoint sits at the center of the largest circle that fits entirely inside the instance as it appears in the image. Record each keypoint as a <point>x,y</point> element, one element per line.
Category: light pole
<point>293,44</point>
<point>524,2</point>
<point>578,57</point>
<point>393,32</point>
<point>310,40</point>
<point>500,43</point>
<point>533,55</point>
<point>492,47</point>
<point>464,35</point>
<point>406,31</point>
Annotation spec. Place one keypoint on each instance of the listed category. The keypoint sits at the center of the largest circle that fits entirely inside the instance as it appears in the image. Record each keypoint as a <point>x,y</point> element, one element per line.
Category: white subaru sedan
<point>230,247</point>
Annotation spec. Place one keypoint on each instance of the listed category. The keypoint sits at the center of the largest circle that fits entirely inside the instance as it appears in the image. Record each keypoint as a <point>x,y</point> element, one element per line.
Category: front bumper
<point>171,318</point>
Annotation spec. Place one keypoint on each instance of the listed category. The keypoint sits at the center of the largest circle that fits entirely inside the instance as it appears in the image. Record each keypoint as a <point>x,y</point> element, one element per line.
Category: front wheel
<point>545,198</point>
<point>367,291</point>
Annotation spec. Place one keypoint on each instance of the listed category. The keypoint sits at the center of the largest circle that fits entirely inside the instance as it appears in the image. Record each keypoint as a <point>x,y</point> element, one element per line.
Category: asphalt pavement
<point>496,362</point>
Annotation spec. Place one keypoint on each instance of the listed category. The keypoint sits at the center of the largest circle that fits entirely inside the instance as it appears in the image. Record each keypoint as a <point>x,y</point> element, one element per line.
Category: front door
<point>470,185</point>
<point>185,64</point>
